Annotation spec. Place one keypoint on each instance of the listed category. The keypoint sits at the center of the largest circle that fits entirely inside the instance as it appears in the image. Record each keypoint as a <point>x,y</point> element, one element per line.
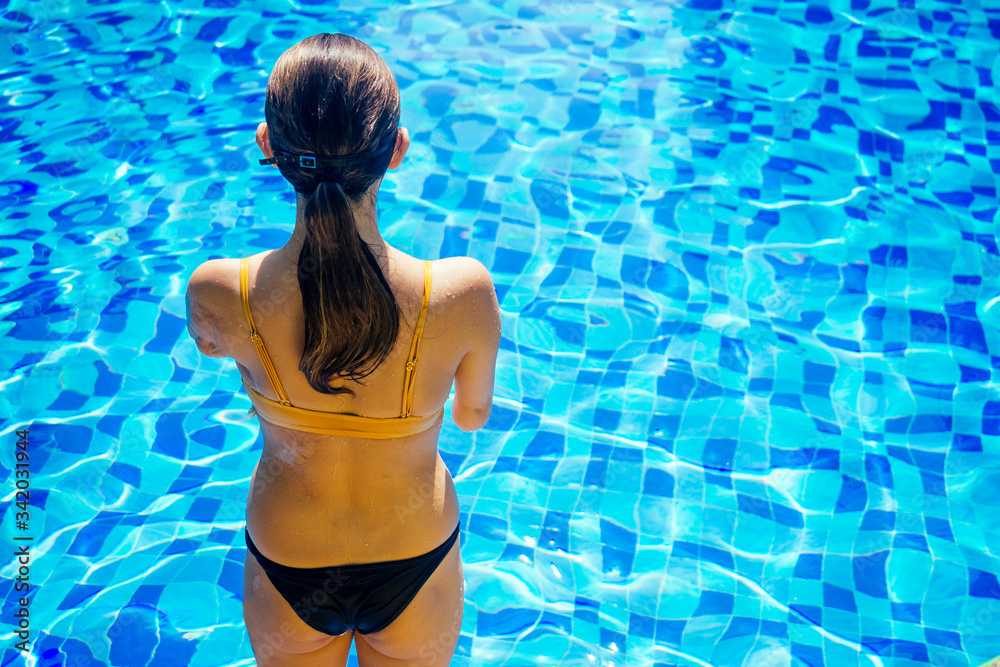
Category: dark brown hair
<point>332,95</point>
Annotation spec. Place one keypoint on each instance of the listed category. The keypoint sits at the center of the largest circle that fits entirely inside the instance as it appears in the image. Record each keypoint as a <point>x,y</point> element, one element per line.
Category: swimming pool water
<point>745,409</point>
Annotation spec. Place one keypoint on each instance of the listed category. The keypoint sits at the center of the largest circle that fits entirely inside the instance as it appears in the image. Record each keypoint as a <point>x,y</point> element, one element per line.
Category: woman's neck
<point>367,225</point>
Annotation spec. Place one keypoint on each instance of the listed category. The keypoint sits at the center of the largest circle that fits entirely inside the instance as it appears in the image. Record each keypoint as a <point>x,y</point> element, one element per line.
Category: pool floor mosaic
<point>745,251</point>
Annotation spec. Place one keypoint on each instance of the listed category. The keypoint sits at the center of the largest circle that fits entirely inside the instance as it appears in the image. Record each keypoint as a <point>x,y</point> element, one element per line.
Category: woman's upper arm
<point>209,307</point>
<point>476,371</point>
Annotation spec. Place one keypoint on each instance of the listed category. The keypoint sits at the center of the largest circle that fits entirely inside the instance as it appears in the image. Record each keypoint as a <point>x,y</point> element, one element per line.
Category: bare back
<point>317,500</point>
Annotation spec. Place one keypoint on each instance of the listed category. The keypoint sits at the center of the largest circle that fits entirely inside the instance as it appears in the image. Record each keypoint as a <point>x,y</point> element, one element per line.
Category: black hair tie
<point>308,161</point>
<point>335,177</point>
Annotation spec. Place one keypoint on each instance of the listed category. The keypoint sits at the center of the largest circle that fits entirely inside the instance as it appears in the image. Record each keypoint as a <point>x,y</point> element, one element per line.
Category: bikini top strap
<point>272,374</point>
<point>412,362</point>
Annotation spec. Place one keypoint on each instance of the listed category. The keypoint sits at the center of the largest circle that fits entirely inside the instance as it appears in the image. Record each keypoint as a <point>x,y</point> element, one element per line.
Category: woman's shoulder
<point>470,295</point>
<point>215,281</point>
<point>213,303</point>
<point>211,271</point>
<point>461,274</point>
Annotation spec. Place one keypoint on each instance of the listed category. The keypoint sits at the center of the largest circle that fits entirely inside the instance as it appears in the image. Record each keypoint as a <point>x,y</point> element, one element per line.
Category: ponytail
<point>332,111</point>
<point>351,318</point>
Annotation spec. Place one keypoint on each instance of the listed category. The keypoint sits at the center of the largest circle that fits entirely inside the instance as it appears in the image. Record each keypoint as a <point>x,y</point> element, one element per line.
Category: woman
<point>348,349</point>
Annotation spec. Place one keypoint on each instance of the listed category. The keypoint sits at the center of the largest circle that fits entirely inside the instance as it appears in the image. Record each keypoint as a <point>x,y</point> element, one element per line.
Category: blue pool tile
<point>627,456</point>
<point>475,190</point>
<point>725,481</point>
<point>670,631</point>
<point>878,471</point>
<point>203,509</point>
<point>75,652</point>
<point>804,613</point>
<point>490,527</point>
<point>607,420</point>
<point>789,458</point>
<point>775,629</point>
<point>464,648</point>
<point>983,584</point>
<point>719,452</point>
<point>89,540</point>
<point>217,399</point>
<point>714,603</point>
<point>967,443</point>
<point>181,375</point>
<point>456,241</point>
<point>108,382</point>
<point>733,355</point>
<point>898,424</point>
<point>180,546</point>
<point>213,436</point>
<point>910,541</point>
<point>562,623</point>
<point>505,464</point>
<point>905,612</point>
<point>134,635</point>
<point>586,609</point>
<point>170,436</point>
<point>191,477</point>
<point>595,474</point>
<point>658,483</point>
<point>169,328</point>
<point>555,531</point>
<point>870,574</point>
<point>685,549</point>
<point>824,426</point>
<point>853,495</point>
<point>550,198</point>
<point>221,536</point>
<point>946,638</point>
<point>838,598</point>
<point>452,461</point>
<point>501,418</point>
<point>506,260</point>
<point>718,556</point>
<point>510,621</point>
<point>614,535</point>
<point>546,444</point>
<point>931,461</point>
<point>231,578</point>
<point>878,520</point>
<point>898,648</point>
<point>742,626</point>
<point>172,649</point>
<point>609,637</point>
<point>641,626</point>
<point>78,595</point>
<point>968,333</point>
<point>617,561</point>
<point>809,566</point>
<point>930,424</point>
<point>74,439</point>
<point>759,506</point>
<point>540,470</point>
<point>69,400</point>
<point>933,484</point>
<point>666,425</point>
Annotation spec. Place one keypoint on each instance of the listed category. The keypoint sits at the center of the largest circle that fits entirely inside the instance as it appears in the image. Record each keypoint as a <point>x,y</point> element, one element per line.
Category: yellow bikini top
<point>283,413</point>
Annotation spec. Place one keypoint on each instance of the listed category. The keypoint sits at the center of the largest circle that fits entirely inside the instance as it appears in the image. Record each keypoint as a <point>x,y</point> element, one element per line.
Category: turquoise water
<point>745,409</point>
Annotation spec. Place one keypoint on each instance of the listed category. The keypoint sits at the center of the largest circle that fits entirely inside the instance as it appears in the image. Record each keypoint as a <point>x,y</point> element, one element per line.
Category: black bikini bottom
<point>365,597</point>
